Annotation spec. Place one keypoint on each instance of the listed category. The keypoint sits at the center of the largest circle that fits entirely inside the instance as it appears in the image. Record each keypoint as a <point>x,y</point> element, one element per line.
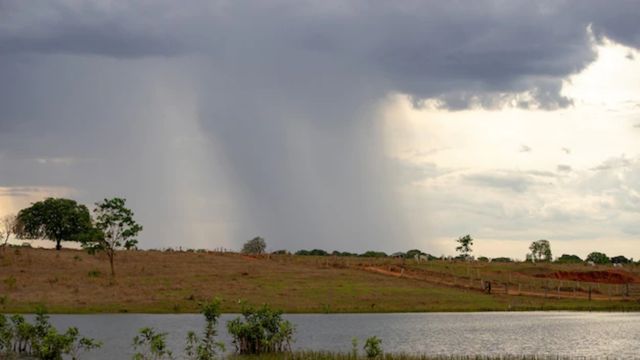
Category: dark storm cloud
<point>284,94</point>
<point>460,52</point>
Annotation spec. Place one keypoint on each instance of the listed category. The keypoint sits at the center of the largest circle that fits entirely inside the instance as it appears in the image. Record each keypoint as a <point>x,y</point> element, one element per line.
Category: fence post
<point>546,288</point>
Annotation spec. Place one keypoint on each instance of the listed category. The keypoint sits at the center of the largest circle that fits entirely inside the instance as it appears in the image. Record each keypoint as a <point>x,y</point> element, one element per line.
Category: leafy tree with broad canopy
<point>569,259</point>
<point>54,219</point>
<point>620,259</point>
<point>598,258</point>
<point>257,245</point>
<point>465,245</point>
<point>540,250</point>
<point>115,229</point>
<point>414,252</point>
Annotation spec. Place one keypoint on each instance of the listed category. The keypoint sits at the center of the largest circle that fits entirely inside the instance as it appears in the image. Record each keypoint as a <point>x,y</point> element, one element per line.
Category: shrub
<point>205,347</point>
<point>314,252</point>
<point>373,347</point>
<point>40,340</point>
<point>260,331</point>
<point>281,252</point>
<point>354,348</point>
<point>502,260</point>
<point>151,345</point>
<point>343,253</point>
<point>374,254</point>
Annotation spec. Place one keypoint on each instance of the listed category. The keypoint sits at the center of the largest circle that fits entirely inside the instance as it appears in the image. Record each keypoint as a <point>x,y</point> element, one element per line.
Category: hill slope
<point>72,281</point>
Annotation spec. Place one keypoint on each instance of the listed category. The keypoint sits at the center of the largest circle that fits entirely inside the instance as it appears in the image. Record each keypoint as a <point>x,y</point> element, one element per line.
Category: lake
<point>576,334</point>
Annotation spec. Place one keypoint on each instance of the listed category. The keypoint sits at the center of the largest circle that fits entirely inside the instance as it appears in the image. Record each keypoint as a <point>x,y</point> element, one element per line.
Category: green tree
<point>569,259</point>
<point>598,258</point>
<point>54,219</point>
<point>620,259</point>
<point>413,252</point>
<point>540,250</point>
<point>257,245</point>
<point>115,229</point>
<point>465,245</point>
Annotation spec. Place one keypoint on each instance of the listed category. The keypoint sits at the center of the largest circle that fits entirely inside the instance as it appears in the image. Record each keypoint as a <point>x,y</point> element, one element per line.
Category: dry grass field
<point>72,281</point>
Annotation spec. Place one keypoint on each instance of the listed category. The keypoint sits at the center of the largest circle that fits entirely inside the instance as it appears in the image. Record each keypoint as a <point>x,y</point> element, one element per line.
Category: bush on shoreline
<point>40,340</point>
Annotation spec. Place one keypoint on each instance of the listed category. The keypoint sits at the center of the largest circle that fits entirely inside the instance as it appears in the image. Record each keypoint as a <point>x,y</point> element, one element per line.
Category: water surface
<point>576,334</point>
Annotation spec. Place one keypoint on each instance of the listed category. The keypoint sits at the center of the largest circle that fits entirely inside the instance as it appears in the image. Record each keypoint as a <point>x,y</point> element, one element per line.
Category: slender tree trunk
<point>113,272</point>
<point>6,241</point>
<point>58,246</point>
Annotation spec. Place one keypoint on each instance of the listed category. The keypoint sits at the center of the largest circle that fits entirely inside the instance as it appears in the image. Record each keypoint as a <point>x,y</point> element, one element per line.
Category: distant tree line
<point>540,251</point>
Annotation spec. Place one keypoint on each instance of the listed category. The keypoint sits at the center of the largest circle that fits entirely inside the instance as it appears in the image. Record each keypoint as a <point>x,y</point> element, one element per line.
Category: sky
<point>347,125</point>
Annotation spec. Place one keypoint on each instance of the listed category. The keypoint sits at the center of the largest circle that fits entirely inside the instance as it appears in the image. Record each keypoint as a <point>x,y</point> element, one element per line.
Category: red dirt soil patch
<point>608,277</point>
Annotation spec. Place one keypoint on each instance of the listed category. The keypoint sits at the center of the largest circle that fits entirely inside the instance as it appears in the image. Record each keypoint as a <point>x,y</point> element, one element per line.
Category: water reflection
<point>613,335</point>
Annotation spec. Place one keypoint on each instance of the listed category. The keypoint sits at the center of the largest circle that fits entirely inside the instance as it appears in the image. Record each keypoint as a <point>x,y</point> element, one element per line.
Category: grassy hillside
<point>72,281</point>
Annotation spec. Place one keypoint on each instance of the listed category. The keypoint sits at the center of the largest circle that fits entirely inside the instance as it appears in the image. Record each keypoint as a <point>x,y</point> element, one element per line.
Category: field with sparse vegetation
<point>72,281</point>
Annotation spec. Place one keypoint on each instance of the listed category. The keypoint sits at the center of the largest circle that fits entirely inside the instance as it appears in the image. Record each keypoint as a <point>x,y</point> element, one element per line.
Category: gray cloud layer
<point>280,99</point>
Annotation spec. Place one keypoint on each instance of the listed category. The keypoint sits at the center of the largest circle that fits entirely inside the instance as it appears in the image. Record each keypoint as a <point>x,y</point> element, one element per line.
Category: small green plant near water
<point>151,345</point>
<point>373,347</point>
<point>261,330</point>
<point>206,347</point>
<point>40,340</point>
<point>354,347</point>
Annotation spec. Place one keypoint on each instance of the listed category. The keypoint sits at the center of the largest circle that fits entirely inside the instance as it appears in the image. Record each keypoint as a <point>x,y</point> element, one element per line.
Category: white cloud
<point>506,199</point>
